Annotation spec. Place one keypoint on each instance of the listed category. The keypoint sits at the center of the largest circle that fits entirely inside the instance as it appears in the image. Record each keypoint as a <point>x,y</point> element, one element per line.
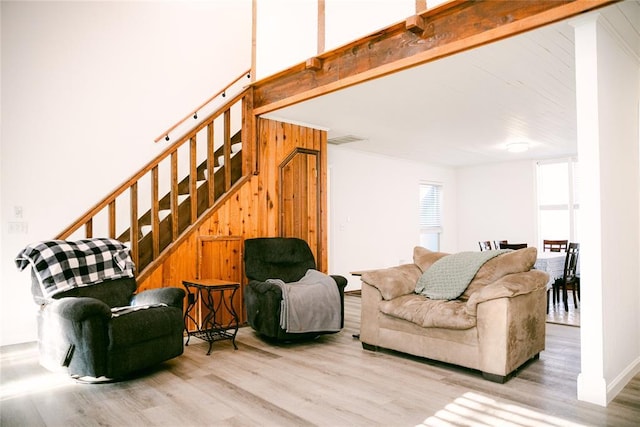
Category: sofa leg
<point>500,379</point>
<point>369,347</point>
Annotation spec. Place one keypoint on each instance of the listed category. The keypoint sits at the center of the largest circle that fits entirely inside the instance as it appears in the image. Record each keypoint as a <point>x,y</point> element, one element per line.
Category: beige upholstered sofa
<point>495,326</point>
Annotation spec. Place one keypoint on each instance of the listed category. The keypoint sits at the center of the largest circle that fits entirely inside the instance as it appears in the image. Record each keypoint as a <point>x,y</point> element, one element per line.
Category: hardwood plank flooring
<point>330,381</point>
<point>557,313</point>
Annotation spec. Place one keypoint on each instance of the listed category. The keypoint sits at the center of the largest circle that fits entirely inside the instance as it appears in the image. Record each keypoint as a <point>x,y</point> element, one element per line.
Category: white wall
<point>373,210</point>
<point>373,205</point>
<point>86,87</point>
<point>286,34</point>
<point>496,202</point>
<point>346,21</point>
<point>287,30</point>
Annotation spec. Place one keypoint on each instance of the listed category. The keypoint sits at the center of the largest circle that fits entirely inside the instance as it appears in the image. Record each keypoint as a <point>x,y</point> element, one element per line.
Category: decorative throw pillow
<point>394,281</point>
<point>508,263</point>
<point>424,258</point>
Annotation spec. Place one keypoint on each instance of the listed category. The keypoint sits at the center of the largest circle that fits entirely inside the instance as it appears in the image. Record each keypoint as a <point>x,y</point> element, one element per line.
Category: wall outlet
<point>18,212</point>
<point>18,227</point>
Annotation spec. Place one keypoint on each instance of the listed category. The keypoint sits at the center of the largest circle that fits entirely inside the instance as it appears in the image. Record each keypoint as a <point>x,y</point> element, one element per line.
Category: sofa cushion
<point>424,258</point>
<point>508,286</point>
<point>429,313</point>
<point>114,293</point>
<point>138,326</point>
<point>395,281</point>
<point>511,262</point>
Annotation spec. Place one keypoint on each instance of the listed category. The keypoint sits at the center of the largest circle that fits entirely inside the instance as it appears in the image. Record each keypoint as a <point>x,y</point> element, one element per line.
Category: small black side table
<point>210,328</point>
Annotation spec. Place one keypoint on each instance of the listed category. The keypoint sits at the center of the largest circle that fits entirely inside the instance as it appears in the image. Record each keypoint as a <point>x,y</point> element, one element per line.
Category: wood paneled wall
<point>254,210</point>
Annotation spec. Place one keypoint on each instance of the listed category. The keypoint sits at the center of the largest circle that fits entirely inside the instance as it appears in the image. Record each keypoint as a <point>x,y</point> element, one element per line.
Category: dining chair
<point>485,246</point>
<point>569,276</point>
<point>554,245</point>
<point>513,245</point>
<point>497,243</point>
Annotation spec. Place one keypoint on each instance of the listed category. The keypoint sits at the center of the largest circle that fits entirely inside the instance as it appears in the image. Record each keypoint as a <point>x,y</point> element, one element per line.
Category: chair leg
<point>548,299</point>
<point>565,297</point>
<point>556,292</point>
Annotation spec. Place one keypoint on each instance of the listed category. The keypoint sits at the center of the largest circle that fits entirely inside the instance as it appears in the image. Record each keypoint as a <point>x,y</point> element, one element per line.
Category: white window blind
<point>431,207</point>
<point>430,213</point>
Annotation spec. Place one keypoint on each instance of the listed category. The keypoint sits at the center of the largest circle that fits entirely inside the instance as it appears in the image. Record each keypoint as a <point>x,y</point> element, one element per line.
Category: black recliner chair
<point>103,331</point>
<point>284,258</point>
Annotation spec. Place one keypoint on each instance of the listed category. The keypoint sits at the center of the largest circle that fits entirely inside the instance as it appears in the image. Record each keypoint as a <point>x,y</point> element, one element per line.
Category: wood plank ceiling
<point>464,109</point>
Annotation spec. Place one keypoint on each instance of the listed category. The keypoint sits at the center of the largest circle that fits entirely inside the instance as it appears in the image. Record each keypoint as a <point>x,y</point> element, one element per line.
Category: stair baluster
<point>151,234</point>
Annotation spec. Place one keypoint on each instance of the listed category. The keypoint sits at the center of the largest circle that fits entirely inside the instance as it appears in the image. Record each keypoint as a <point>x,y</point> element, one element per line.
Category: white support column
<point>591,383</point>
<point>607,94</point>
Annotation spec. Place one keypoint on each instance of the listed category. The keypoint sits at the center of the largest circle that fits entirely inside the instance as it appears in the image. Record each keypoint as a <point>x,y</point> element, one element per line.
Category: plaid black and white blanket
<point>61,265</point>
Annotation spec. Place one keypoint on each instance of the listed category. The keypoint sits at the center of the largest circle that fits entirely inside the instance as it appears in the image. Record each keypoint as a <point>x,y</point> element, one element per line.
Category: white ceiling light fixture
<point>517,147</point>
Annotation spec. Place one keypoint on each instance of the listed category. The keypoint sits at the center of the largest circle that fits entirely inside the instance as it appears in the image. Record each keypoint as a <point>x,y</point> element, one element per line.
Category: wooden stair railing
<point>166,231</point>
<point>193,175</point>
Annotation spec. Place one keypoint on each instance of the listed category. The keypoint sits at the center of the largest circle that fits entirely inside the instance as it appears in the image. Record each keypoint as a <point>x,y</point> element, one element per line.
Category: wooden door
<point>220,257</point>
<point>300,198</point>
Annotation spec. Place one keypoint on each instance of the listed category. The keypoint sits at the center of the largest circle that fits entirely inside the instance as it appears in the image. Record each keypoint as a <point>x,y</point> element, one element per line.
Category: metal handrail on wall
<point>194,114</point>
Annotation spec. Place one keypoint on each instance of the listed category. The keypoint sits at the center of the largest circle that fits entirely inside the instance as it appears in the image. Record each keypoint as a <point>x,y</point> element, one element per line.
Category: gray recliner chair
<point>78,331</point>
<point>105,331</point>
<point>287,259</point>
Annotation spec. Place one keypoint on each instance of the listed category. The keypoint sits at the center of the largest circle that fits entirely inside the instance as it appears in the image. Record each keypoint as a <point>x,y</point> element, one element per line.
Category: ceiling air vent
<point>344,139</point>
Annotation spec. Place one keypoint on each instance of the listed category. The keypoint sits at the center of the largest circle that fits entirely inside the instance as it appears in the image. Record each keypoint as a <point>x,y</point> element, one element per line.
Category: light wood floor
<point>331,381</point>
<point>557,313</point>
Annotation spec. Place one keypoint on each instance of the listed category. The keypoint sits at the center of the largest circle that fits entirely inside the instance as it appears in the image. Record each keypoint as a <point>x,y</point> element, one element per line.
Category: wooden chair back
<point>554,245</point>
<point>514,246</point>
<point>497,243</point>
<point>485,246</point>
<point>571,262</point>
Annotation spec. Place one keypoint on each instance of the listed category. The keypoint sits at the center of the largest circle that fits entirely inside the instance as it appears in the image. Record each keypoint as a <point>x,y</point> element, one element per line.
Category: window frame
<point>572,206</point>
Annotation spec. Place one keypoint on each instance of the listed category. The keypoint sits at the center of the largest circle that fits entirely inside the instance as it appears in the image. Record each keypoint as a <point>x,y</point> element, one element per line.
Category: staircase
<point>154,209</point>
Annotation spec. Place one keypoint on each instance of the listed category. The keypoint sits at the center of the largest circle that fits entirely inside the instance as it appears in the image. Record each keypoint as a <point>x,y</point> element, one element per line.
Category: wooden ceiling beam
<point>453,27</point>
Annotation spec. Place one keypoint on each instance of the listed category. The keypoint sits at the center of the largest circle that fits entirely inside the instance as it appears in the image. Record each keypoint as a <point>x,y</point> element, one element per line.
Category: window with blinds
<point>558,200</point>
<point>430,214</point>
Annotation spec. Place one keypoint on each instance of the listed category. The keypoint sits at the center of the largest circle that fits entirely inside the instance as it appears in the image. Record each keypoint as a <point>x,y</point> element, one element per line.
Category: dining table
<point>551,263</point>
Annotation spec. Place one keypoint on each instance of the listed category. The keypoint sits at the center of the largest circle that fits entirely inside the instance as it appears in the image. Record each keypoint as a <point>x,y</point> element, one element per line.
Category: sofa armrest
<point>511,330</point>
<point>395,281</point>
<point>263,288</point>
<point>262,302</point>
<point>369,314</point>
<point>73,333</point>
<point>173,297</point>
<point>78,309</point>
<point>341,281</point>
<point>508,286</point>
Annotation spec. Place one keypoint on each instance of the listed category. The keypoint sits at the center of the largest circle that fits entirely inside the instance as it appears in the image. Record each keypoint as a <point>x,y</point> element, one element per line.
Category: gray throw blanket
<point>311,304</point>
<point>449,276</point>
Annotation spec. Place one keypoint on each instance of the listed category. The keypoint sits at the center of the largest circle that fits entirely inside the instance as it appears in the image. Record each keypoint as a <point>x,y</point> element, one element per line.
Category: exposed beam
<point>313,64</point>
<point>453,27</point>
